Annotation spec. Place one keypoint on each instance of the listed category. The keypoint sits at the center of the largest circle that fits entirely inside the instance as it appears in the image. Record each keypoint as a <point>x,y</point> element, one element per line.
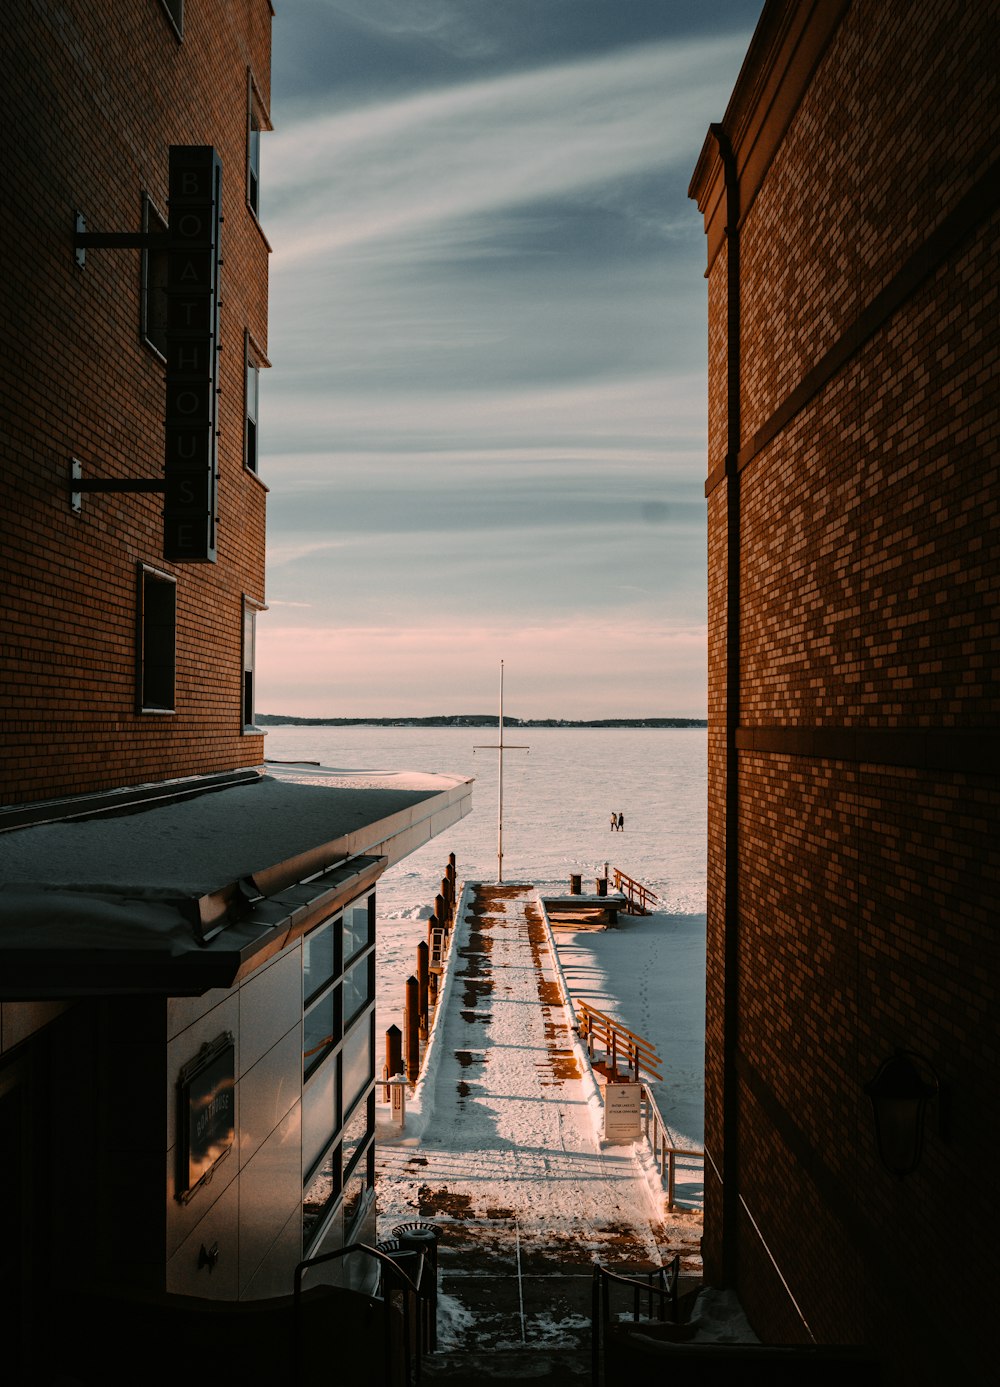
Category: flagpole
<point>500,786</point>
<point>500,749</point>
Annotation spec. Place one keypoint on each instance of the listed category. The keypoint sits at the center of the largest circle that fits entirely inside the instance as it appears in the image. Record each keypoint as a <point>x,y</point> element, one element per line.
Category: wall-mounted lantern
<point>899,1096</point>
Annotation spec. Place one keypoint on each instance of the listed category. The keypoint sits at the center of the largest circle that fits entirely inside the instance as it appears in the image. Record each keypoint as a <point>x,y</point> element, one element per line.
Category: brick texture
<point>92,109</point>
<point>865,892</point>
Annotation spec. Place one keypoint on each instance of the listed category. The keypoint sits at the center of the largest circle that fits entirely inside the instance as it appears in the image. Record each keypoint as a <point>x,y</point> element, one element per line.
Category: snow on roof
<point>193,846</point>
<point>156,877</point>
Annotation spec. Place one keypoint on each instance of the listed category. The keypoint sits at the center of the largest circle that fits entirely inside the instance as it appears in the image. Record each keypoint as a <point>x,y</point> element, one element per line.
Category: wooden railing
<point>620,1044</point>
<point>660,1140</point>
<point>640,898</point>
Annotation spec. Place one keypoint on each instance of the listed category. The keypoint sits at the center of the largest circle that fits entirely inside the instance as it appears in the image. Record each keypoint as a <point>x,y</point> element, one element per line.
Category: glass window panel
<point>355,1187</point>
<point>358,989</point>
<point>252,406</point>
<point>318,958</point>
<point>359,1060</point>
<point>320,1111</point>
<point>358,1128</point>
<point>253,164</point>
<point>320,1029</point>
<point>320,1194</point>
<point>154,283</point>
<point>357,927</point>
<point>157,650</point>
<point>249,641</point>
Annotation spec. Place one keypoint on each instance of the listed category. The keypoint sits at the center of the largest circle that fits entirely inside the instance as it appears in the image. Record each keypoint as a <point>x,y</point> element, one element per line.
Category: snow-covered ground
<point>558,799</point>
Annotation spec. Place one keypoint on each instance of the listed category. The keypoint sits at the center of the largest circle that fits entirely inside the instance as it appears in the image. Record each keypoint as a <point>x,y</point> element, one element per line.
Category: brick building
<point>187,1050</point>
<point>850,202</point>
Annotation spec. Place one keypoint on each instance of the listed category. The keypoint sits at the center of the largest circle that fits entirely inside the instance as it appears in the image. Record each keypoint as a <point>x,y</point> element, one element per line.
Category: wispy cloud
<point>488,329</point>
<point>393,169</point>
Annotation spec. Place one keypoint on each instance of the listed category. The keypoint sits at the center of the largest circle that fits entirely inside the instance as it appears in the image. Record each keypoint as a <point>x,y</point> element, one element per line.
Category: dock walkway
<point>508,1163</point>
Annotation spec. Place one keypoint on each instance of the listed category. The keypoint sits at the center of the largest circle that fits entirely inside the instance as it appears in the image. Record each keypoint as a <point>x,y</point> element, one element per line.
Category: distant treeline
<point>473,720</point>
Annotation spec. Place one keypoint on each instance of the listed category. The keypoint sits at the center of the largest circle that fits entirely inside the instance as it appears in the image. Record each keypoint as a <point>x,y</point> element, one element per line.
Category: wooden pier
<point>584,912</point>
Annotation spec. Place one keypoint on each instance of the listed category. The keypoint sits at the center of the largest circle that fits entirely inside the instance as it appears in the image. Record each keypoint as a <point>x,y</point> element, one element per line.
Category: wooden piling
<point>412,1023</point>
<point>423,959</point>
<point>393,1055</point>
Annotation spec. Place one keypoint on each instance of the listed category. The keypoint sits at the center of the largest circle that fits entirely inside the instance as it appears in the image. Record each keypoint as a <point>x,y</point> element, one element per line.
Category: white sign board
<point>622,1119</point>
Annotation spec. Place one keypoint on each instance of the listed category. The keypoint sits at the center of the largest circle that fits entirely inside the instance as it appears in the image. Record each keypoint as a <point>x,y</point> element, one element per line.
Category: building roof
<point>199,884</point>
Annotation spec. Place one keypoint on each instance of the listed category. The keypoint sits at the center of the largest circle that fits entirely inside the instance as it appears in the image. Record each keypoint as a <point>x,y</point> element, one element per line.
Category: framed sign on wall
<point>206,1089</point>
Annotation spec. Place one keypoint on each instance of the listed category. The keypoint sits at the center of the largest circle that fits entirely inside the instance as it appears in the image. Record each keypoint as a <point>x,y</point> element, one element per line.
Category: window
<point>153,303</point>
<point>250,443</point>
<point>338,1066</point>
<point>175,13</point>
<point>157,636</point>
<point>359,1059</point>
<point>250,610</point>
<point>359,926</point>
<point>253,164</point>
<point>320,1194</point>
<point>257,121</point>
<point>359,987</point>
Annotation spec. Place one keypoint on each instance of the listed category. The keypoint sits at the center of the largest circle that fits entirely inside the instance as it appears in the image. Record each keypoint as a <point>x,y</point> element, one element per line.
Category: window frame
<point>333,1166</point>
<point>252,359</point>
<point>150,211</point>
<point>250,608</point>
<point>258,121</point>
<point>149,579</point>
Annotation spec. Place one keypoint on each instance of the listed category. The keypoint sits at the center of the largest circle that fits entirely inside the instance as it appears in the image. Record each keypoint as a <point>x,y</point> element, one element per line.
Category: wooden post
<point>412,1023</point>
<point>432,924</point>
<point>447,898</point>
<point>440,907</point>
<point>393,1055</point>
<point>432,991</point>
<point>423,964</point>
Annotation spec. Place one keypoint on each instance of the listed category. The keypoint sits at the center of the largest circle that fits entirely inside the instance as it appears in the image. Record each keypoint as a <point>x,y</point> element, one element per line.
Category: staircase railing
<point>660,1139</point>
<point>640,897</point>
<point>656,1287</point>
<point>618,1041</point>
<point>409,1298</point>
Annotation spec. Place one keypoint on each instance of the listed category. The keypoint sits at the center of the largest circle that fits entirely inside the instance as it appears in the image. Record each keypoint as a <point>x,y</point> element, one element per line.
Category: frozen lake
<point>558,798</point>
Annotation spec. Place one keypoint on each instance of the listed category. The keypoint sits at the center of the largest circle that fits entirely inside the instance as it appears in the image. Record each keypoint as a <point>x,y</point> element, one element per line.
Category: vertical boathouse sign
<point>190,482</point>
<point>190,503</point>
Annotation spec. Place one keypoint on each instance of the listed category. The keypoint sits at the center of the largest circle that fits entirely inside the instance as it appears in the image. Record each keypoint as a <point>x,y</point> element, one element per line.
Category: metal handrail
<point>409,1288</point>
<point>660,1282</point>
<point>664,1153</point>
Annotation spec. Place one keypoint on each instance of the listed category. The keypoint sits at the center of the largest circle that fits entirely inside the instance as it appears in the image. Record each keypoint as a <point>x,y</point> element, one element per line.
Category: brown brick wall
<point>869,573</point>
<point>91,110</point>
<point>894,129</point>
<point>870,586</point>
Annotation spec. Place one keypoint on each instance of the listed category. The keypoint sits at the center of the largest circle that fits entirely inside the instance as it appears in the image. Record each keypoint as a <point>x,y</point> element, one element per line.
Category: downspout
<point>731,918</point>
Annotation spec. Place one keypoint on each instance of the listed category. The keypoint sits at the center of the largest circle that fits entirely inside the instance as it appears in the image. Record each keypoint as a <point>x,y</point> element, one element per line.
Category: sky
<point>484,429</point>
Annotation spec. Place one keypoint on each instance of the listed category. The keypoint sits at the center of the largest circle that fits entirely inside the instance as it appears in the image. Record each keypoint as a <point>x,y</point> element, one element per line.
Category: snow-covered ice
<point>650,972</point>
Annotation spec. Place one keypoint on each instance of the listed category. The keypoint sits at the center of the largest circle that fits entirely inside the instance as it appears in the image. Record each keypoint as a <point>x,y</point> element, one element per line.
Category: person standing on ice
<point>621,823</point>
<point>614,822</point>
